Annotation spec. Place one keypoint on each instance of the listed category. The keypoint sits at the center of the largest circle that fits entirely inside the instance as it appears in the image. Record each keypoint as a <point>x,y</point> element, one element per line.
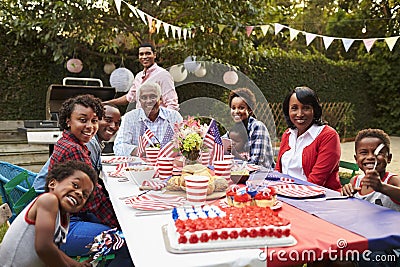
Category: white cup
<point>230,158</point>
<point>205,158</point>
<point>196,189</point>
<point>152,154</point>
<point>223,169</point>
<point>165,167</point>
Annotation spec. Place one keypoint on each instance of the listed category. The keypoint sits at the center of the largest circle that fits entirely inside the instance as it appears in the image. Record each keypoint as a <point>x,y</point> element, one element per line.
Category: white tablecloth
<point>145,240</point>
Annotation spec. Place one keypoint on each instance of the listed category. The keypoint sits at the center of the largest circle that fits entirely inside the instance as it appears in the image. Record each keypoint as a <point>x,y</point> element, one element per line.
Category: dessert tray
<point>155,202</point>
<point>173,247</point>
<point>299,191</point>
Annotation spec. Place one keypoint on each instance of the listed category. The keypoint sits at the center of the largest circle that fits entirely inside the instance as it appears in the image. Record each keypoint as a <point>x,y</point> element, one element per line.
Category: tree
<point>68,28</point>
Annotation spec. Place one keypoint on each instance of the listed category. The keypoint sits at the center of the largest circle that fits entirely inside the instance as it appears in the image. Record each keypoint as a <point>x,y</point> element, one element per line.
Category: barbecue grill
<point>47,131</point>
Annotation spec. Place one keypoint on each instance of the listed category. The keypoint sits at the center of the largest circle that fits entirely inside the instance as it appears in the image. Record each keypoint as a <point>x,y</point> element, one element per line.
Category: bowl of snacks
<point>140,173</point>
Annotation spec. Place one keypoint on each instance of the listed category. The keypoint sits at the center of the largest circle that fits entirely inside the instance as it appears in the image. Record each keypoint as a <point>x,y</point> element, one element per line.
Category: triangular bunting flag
<point>149,21</point>
<point>166,28</point>
<point>347,43</point>
<point>142,15</point>
<point>293,33</point>
<point>179,32</point>
<point>184,33</point>
<point>133,9</point>
<point>249,30</point>
<point>234,32</point>
<point>278,28</point>
<point>118,6</point>
<point>264,29</point>
<point>391,41</point>
<point>327,41</point>
<point>309,38</point>
<point>158,25</point>
<point>173,30</point>
<point>221,27</point>
<point>369,43</point>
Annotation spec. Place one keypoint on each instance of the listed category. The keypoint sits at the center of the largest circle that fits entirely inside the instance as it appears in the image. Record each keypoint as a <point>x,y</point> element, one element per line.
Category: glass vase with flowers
<point>188,139</point>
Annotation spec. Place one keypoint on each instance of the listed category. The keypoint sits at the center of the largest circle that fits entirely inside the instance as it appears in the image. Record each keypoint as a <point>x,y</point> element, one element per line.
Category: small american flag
<point>167,145</point>
<point>144,137</point>
<point>213,141</point>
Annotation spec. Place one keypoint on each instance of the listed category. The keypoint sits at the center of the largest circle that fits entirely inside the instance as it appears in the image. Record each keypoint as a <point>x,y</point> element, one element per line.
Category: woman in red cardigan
<point>309,149</point>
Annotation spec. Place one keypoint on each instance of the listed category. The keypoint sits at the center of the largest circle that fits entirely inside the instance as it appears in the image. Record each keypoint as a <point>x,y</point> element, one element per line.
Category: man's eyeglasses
<point>146,98</point>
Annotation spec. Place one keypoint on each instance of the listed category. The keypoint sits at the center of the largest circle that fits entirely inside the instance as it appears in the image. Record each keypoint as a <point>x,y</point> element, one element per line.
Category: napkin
<point>119,171</point>
<point>155,185</point>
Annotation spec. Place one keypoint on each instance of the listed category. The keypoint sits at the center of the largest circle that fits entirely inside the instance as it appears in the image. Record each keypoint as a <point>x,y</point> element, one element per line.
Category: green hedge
<point>25,79</point>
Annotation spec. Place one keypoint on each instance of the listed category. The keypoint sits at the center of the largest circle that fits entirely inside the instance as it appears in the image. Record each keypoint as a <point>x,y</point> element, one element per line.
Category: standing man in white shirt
<point>151,73</point>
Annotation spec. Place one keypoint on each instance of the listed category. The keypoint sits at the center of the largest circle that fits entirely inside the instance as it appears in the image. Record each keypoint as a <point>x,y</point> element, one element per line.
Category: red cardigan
<point>320,159</point>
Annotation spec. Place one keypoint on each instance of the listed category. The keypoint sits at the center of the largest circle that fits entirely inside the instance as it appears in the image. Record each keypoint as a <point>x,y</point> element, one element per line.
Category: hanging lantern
<point>122,79</point>
<point>178,73</point>
<point>230,77</point>
<point>201,72</point>
<point>109,68</point>
<point>190,64</point>
<point>74,65</point>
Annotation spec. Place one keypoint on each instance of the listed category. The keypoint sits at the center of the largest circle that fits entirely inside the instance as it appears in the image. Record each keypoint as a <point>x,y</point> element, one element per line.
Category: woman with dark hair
<point>242,102</point>
<point>309,149</point>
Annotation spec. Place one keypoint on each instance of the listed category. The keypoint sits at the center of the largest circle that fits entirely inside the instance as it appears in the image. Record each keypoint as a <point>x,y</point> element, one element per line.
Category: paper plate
<point>299,191</point>
<point>155,202</point>
<point>116,160</point>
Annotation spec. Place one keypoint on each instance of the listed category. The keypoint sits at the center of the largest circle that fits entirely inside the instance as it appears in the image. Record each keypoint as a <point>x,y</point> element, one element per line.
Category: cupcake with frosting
<point>241,200</point>
<point>266,197</point>
<point>230,193</point>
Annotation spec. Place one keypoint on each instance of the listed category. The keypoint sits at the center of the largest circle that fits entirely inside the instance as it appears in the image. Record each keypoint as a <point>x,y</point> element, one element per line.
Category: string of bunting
<point>179,32</point>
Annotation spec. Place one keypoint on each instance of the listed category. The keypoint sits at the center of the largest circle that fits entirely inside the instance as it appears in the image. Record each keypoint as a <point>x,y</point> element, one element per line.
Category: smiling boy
<point>376,185</point>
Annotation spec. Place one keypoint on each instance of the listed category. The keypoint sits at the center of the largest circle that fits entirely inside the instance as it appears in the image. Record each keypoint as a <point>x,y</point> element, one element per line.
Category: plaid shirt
<point>69,148</point>
<point>260,144</point>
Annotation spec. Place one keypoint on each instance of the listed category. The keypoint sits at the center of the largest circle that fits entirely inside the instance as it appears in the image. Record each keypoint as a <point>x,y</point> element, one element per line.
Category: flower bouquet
<point>188,138</point>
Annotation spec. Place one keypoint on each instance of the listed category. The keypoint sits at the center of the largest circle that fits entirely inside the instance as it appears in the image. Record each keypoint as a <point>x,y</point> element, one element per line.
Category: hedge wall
<point>25,79</point>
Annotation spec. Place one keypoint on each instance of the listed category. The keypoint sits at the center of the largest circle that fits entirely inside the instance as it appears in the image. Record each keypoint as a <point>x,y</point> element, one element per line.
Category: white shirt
<point>127,138</point>
<point>292,160</point>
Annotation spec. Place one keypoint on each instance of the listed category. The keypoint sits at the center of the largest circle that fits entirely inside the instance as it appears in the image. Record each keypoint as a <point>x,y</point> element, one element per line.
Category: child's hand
<point>86,263</point>
<point>348,190</point>
<point>372,179</point>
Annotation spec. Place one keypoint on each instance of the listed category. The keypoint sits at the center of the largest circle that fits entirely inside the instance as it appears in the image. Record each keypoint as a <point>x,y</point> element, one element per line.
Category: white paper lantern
<point>74,65</point>
<point>191,65</point>
<point>230,77</point>
<point>109,68</point>
<point>121,79</point>
<point>201,72</point>
<point>178,73</point>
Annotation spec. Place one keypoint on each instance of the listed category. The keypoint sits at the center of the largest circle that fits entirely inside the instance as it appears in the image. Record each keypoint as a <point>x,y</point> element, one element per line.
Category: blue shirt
<point>128,134</point>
